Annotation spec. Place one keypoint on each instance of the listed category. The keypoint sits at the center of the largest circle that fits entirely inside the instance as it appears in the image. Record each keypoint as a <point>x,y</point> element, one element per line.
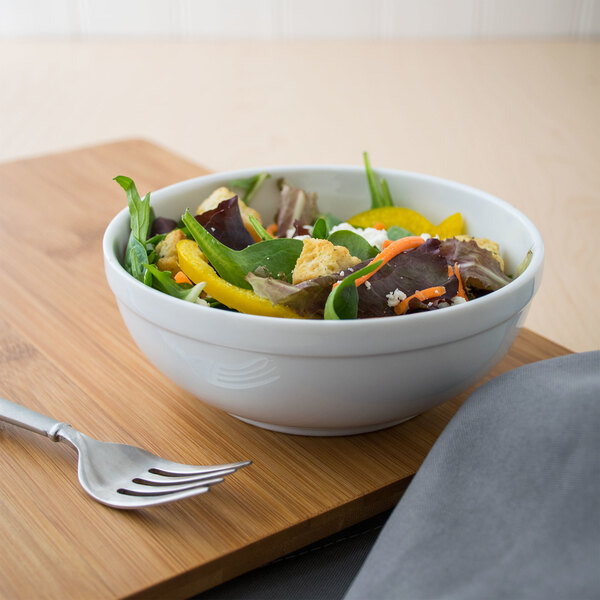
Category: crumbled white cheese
<point>425,236</point>
<point>368,284</point>
<point>394,298</point>
<point>375,237</point>
<point>458,300</point>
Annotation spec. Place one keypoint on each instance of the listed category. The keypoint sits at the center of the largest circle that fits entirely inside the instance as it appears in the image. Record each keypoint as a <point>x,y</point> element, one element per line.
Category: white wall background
<point>299,19</point>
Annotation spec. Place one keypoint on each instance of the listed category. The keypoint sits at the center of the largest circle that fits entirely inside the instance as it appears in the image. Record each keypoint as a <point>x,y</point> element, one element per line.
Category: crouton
<point>167,252</point>
<point>321,257</point>
<point>224,193</point>
<point>215,199</point>
<point>486,245</point>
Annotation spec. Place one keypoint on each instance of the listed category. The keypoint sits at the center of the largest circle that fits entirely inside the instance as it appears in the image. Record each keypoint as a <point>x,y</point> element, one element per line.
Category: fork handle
<point>29,419</point>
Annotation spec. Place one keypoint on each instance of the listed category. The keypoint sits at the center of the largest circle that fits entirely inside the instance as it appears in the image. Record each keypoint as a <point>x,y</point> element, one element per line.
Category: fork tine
<point>172,469</point>
<point>140,489</point>
<point>164,480</point>
<point>136,502</point>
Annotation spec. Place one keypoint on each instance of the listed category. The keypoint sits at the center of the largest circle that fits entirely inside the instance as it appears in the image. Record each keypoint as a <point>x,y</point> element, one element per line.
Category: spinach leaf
<point>277,256</point>
<point>395,232</point>
<point>251,185</point>
<point>164,282</point>
<point>342,302</point>
<point>356,244</point>
<point>320,229</point>
<point>330,220</point>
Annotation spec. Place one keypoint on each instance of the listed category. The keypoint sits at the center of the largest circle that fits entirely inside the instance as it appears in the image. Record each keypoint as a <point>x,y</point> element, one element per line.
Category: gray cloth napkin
<point>506,504</point>
<point>322,571</point>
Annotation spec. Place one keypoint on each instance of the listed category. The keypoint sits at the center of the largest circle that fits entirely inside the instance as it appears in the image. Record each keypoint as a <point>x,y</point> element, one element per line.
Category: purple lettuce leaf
<point>299,228</point>
<point>408,272</point>
<point>479,270</point>
<point>418,269</point>
<point>296,208</point>
<point>226,225</point>
<point>162,225</point>
<point>307,298</point>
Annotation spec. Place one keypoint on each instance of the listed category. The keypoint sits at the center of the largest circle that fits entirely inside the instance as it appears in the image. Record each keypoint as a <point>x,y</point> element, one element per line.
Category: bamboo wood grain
<point>64,351</point>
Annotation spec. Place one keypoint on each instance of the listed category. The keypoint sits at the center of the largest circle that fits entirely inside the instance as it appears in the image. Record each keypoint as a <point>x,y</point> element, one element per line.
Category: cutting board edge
<point>275,546</point>
<point>108,144</point>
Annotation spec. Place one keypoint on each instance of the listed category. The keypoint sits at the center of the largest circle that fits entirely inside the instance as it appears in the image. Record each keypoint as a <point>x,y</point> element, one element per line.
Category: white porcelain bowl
<point>331,377</point>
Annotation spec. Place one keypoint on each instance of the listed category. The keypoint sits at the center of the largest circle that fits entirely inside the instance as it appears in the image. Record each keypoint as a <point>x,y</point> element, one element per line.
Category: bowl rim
<point>489,310</point>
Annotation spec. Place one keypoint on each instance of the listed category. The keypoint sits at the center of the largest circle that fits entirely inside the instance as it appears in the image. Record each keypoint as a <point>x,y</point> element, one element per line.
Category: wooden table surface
<point>65,351</point>
<point>517,118</point>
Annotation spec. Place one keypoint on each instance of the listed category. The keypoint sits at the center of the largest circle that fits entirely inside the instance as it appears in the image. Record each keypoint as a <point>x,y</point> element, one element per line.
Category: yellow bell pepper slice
<point>392,215</point>
<point>449,227</point>
<point>407,219</point>
<point>193,263</point>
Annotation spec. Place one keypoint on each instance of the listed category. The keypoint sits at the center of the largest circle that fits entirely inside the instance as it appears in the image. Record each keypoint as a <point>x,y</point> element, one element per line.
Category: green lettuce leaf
<point>140,216</point>
<point>164,282</point>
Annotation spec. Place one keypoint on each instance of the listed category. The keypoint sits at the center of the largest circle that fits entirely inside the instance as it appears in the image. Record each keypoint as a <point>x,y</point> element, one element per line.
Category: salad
<point>384,262</point>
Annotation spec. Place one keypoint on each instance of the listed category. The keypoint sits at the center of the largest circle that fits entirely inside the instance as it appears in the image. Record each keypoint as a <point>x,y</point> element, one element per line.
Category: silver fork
<point>119,475</point>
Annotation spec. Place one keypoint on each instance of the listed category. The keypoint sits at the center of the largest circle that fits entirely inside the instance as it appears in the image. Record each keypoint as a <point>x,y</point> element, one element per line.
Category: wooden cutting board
<point>65,351</point>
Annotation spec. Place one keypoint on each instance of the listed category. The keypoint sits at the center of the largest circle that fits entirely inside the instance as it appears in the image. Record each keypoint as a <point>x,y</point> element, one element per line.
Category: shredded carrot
<point>422,295</point>
<point>428,293</point>
<point>379,225</point>
<point>461,290</point>
<point>395,248</point>
<point>386,243</point>
<point>272,228</point>
<point>181,277</point>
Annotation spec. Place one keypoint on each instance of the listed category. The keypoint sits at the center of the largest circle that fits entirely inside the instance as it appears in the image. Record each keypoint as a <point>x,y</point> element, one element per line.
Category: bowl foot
<point>318,431</point>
